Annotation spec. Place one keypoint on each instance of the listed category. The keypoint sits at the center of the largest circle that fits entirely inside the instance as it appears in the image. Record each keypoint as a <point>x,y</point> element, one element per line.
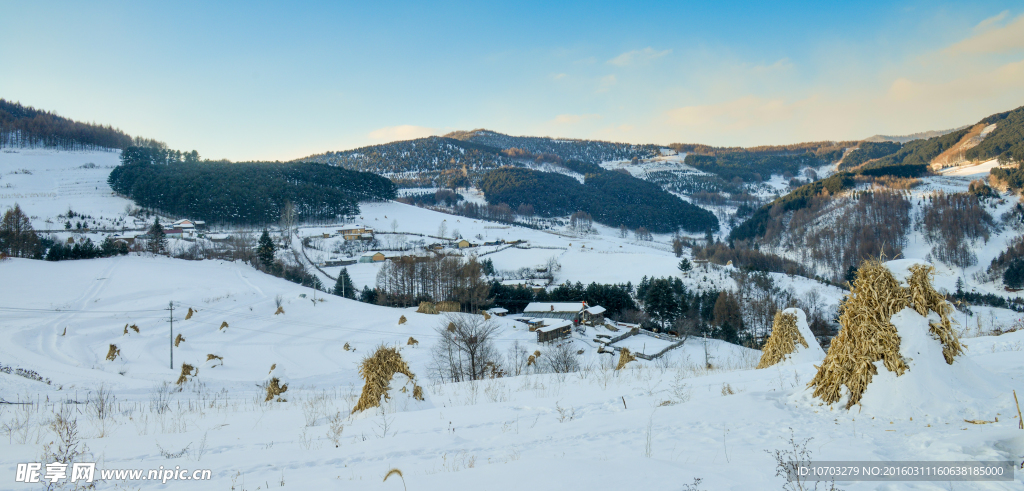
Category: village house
<point>553,330</point>
<point>372,257</point>
<point>356,232</point>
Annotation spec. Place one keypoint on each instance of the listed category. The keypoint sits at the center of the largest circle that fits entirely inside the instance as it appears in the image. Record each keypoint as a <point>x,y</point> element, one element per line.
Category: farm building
<point>570,311</point>
<point>498,311</point>
<point>356,232</point>
<point>372,257</point>
<point>553,329</point>
<point>593,315</point>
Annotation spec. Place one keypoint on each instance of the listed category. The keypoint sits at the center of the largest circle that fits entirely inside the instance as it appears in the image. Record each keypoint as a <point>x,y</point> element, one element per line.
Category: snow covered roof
<point>595,310</point>
<point>499,310</point>
<point>554,326</point>
<point>574,307</point>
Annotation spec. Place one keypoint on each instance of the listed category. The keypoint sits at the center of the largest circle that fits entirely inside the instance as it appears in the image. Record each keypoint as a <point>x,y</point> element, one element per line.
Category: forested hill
<point>427,161</point>
<point>611,198</point>
<point>24,126</point>
<point>245,193</point>
<point>468,155</point>
<point>588,151</point>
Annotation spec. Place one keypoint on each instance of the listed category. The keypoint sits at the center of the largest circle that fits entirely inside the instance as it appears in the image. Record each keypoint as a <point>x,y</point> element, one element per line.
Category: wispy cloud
<point>400,132</point>
<point>568,119</point>
<point>736,114</point>
<point>606,83</point>
<point>992,39</point>
<point>638,56</point>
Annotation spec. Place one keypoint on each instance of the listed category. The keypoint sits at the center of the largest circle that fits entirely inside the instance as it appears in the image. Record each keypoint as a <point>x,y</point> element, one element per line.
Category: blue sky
<point>249,80</point>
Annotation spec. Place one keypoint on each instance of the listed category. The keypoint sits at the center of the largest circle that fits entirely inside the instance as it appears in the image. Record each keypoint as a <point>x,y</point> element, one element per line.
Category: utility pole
<point>170,307</point>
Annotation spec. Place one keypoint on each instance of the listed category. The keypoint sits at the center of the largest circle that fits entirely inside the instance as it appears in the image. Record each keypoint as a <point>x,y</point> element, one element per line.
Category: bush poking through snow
<point>186,372</point>
<point>178,340</point>
<point>275,389</point>
<point>412,342</point>
<point>624,357</point>
<point>113,352</point>
<point>402,320</point>
<point>868,335</point>
<point>377,371</point>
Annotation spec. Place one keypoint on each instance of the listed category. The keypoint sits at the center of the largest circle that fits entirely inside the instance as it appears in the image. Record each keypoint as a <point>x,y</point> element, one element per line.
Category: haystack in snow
<point>882,294</point>
<point>276,383</point>
<point>624,357</point>
<point>379,374</point>
<point>791,341</point>
<point>427,308</point>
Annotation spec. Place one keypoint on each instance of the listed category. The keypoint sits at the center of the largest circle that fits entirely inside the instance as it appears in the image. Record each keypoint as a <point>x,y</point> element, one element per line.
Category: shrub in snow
<point>791,341</point>
<point>624,357</point>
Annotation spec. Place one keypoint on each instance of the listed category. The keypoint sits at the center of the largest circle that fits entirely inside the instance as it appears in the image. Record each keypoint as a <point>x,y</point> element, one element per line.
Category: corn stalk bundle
<point>178,340</point>
<point>186,372</point>
<point>274,389</point>
<point>377,371</point>
<point>280,310</point>
<point>113,352</point>
<point>427,308</point>
<point>783,340</point>
<point>212,356</point>
<point>223,325</point>
<point>402,320</point>
<point>867,335</point>
<point>448,306</point>
<point>189,314</point>
<point>923,298</point>
<point>624,357</point>
<point>412,341</point>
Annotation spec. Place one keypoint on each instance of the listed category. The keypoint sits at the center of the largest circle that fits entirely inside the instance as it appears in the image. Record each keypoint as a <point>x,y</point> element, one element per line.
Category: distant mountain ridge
<point>924,135</point>
<point>436,160</point>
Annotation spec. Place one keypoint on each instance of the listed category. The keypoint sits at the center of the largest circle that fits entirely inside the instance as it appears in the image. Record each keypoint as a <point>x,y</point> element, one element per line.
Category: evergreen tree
<point>344,288</point>
<point>660,302</point>
<point>685,265</point>
<point>17,238</point>
<point>157,237</point>
<point>265,250</point>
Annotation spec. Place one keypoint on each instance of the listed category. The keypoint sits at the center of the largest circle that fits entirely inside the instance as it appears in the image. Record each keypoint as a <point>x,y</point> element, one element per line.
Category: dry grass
<point>624,357</point>
<point>126,328</point>
<point>347,347</point>
<point>212,356</point>
<point>395,472</point>
<point>427,308</point>
<point>402,320</point>
<point>867,335</point>
<point>113,352</point>
<point>280,310</point>
<point>189,314</point>
<point>223,325</point>
<point>178,340</point>
<point>186,372</point>
<point>412,342</point>
<point>783,340</point>
<point>377,371</point>
<point>486,315</point>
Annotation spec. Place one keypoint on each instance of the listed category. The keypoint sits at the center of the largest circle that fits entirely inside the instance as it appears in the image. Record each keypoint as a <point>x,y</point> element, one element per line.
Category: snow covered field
<point>658,423</point>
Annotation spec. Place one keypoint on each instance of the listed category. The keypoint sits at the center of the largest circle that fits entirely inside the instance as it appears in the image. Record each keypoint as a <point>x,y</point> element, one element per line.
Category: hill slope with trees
<point>243,192</point>
<point>25,126</point>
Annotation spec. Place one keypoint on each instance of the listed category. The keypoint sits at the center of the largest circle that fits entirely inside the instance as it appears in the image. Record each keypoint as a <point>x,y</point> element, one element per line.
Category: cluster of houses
<point>555,320</point>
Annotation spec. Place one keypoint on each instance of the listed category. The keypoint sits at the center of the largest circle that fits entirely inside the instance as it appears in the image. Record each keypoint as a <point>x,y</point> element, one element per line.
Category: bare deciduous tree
<point>465,350</point>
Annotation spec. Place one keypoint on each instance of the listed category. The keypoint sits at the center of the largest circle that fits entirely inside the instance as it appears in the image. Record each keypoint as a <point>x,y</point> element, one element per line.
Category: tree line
<point>25,126</point>
<point>244,192</point>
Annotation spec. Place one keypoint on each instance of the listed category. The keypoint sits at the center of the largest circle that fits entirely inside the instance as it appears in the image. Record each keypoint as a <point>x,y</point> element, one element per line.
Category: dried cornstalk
<point>782,341</point>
